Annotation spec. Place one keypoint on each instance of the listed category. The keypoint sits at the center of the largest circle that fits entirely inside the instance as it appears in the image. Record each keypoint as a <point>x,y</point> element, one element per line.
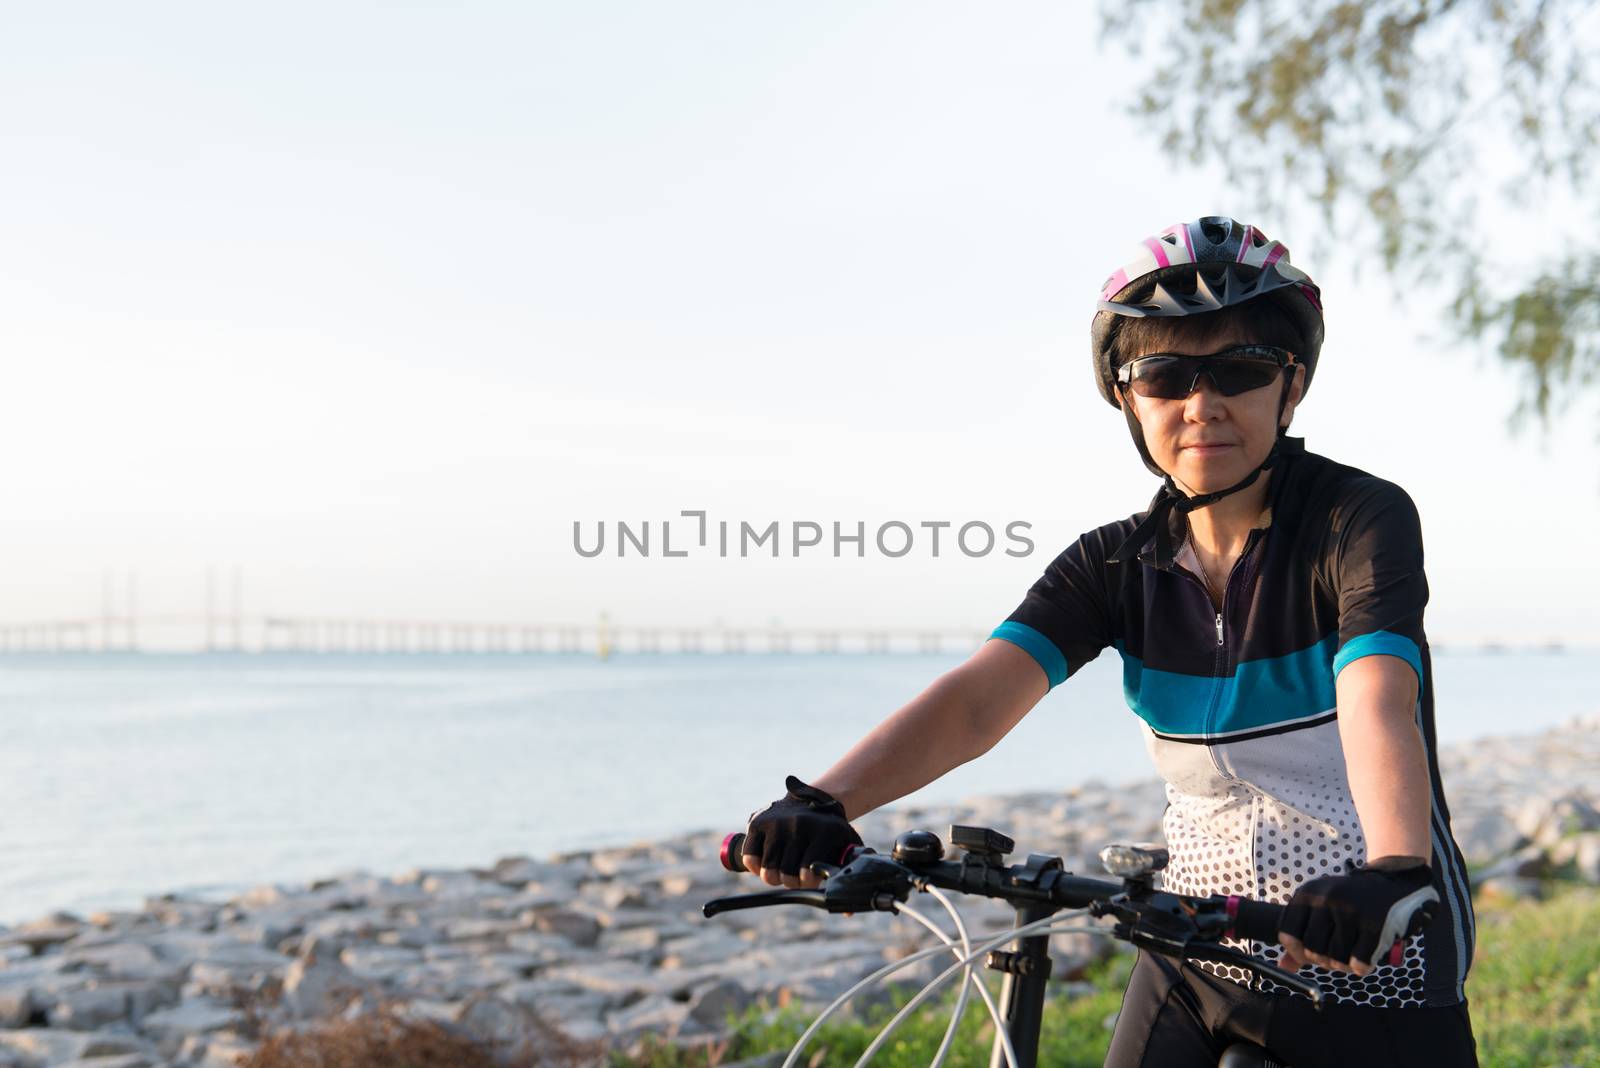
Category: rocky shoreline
<point>607,947</point>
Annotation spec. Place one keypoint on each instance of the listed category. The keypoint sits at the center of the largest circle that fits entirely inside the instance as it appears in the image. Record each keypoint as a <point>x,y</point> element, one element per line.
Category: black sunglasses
<point>1172,376</point>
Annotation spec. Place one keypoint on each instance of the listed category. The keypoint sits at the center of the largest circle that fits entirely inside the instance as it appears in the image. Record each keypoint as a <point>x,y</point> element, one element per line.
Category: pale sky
<point>375,301</point>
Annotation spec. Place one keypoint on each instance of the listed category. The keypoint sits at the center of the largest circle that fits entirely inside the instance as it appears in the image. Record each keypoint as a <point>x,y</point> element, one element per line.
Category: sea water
<point>123,776</point>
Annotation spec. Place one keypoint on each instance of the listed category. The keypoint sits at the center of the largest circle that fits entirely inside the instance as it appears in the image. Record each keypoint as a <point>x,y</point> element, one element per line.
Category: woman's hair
<point>1261,321</point>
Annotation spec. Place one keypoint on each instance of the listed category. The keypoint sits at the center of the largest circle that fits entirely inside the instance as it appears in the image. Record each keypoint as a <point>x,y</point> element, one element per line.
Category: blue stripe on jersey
<point>1036,645</point>
<point>1260,693</point>
<point>1385,642</point>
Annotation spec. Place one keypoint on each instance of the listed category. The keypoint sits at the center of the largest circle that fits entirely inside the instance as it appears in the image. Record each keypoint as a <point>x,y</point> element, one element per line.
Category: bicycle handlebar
<point>1174,925</point>
<point>1259,921</point>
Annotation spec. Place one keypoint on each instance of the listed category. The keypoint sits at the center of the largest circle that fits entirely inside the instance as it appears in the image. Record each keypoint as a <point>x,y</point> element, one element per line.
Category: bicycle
<point>1174,925</point>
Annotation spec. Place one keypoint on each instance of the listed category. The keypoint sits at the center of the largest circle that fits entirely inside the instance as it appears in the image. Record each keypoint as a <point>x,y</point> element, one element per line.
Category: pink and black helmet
<point>1202,266</point>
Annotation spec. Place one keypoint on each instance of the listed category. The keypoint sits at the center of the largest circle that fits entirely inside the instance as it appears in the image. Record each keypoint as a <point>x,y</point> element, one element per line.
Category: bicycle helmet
<point>1191,269</point>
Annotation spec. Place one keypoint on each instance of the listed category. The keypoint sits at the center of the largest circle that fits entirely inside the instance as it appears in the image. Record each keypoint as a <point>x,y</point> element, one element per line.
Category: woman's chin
<point>1202,475</point>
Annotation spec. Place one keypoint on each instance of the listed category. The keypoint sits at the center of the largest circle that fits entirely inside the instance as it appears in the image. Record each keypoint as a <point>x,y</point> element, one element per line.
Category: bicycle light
<point>1132,861</point>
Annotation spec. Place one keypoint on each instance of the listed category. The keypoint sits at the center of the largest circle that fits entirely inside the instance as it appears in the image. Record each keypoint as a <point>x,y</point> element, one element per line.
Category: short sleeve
<point>1065,620</point>
<point>1377,575</point>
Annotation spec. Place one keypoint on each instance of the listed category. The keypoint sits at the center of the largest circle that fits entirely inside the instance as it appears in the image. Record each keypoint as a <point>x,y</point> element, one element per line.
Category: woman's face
<point>1208,442</point>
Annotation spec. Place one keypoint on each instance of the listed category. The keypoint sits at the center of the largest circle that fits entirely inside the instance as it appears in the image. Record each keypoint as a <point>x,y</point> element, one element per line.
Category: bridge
<point>339,634</point>
<point>238,633</point>
<point>223,626</point>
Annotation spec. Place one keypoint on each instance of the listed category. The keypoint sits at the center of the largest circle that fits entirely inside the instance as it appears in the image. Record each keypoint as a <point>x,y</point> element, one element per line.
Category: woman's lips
<point>1208,448</point>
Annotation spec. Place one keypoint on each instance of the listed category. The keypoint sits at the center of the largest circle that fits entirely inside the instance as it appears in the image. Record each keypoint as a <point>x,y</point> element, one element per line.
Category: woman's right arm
<point>958,718</point>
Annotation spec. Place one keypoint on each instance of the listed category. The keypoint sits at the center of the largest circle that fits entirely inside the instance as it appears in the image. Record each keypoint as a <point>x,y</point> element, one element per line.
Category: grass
<point>1535,982</point>
<point>1074,1034</point>
<point>1534,991</point>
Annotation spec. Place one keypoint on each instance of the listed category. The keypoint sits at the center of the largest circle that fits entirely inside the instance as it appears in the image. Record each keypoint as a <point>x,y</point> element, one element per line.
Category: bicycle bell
<point>918,847</point>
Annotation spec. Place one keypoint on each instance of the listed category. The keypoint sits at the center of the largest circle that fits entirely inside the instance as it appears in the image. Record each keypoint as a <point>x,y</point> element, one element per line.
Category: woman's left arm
<point>1388,772</point>
<point>1384,757</point>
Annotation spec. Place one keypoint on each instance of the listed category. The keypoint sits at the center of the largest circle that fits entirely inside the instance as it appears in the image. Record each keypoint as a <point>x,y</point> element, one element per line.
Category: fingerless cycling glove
<point>804,826</point>
<point>1360,915</point>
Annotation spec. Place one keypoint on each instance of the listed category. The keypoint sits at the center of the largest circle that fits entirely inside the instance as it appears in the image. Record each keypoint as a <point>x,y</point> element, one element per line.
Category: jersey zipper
<point>1224,656</point>
<point>1221,662</point>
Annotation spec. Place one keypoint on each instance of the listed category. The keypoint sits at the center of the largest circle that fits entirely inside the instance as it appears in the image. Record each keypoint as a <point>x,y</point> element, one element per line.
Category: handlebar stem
<point>1022,992</point>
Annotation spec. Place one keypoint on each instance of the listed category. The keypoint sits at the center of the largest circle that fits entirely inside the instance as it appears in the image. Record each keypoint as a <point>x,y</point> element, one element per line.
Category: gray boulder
<point>504,1026</point>
<point>710,1006</point>
<point>520,871</point>
<point>1486,833</point>
<point>447,885</point>
<point>653,1015</point>
<point>579,928</point>
<point>39,935</point>
<point>38,1047</point>
<point>1529,862</point>
<point>318,985</point>
<point>1510,888</point>
<point>1582,851</point>
<point>197,1016</point>
<point>16,1002</point>
<point>123,1060</point>
<point>1547,820</point>
<point>89,1009</point>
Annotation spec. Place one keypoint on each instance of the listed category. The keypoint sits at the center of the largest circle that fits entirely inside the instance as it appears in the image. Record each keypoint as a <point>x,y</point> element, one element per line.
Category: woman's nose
<point>1205,400</point>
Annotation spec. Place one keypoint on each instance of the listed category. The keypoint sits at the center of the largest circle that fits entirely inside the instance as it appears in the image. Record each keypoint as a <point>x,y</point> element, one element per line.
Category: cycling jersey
<point>1238,707</point>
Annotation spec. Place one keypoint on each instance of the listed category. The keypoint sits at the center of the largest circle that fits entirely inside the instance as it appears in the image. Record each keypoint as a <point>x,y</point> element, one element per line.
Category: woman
<point>1268,608</point>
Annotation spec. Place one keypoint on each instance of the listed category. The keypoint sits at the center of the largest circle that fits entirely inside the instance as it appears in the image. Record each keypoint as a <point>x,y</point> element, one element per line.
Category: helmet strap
<point>1170,499</point>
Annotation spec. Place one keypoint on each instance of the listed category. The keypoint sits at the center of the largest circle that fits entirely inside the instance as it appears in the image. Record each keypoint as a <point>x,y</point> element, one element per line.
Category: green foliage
<point>1549,329</point>
<point>1417,129</point>
<point>1074,1034</point>
<point>1535,982</point>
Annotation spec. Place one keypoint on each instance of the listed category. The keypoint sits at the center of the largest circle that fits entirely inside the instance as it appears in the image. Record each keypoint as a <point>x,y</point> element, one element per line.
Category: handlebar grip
<point>732,853</point>
<point>1257,920</point>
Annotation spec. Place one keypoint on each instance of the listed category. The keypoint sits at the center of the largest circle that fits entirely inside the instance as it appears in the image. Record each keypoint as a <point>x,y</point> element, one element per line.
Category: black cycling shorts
<point>1177,1016</point>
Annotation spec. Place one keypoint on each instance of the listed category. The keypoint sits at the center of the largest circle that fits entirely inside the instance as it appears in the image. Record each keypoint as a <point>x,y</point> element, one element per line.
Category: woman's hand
<point>803,827</point>
<point>1348,922</point>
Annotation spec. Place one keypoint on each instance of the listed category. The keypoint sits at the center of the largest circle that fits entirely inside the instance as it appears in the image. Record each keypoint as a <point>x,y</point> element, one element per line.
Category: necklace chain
<point>1205,578</point>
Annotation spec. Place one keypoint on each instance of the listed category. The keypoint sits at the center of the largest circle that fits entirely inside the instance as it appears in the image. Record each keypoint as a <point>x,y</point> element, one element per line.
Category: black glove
<point>804,826</point>
<point>1360,915</point>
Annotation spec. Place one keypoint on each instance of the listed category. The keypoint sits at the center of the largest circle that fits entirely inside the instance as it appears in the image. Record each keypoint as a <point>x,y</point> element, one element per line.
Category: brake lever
<point>814,898</point>
<point>871,882</point>
<point>1229,955</point>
